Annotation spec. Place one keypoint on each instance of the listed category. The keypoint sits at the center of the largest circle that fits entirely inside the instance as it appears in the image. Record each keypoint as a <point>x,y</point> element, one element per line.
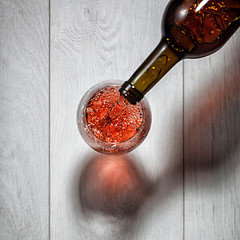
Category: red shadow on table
<point>112,185</point>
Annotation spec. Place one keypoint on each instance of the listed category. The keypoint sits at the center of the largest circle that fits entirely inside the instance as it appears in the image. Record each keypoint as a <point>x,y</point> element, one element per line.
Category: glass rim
<point>87,96</point>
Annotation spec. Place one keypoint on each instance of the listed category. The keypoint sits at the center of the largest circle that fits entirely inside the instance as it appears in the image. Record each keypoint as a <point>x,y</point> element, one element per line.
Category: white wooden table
<point>50,54</point>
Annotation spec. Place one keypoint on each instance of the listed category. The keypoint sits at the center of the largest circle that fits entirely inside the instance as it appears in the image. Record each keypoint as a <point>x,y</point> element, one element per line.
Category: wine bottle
<point>191,29</point>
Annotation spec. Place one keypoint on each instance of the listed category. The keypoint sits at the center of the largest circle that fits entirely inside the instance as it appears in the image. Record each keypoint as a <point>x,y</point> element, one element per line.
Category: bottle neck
<point>159,62</point>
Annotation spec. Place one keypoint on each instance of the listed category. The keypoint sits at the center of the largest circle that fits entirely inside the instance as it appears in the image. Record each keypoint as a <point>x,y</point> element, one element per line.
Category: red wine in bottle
<point>191,29</point>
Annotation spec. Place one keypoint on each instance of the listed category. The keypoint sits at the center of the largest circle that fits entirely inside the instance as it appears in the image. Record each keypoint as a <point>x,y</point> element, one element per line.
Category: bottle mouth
<point>131,93</point>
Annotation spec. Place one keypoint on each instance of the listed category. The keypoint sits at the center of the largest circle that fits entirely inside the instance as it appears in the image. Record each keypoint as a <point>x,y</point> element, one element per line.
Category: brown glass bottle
<point>191,29</point>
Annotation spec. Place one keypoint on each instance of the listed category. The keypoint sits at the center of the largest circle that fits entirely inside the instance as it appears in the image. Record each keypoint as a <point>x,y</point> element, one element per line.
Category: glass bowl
<point>108,123</point>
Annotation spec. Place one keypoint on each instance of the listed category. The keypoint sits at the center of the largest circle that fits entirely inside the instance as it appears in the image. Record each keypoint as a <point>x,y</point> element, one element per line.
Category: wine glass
<point>108,123</point>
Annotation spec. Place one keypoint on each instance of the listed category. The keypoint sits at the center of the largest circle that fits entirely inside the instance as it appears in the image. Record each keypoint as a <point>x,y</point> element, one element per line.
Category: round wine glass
<point>108,123</point>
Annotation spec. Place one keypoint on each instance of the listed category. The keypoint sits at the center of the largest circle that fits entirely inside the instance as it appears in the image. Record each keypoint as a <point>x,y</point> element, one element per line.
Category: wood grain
<point>24,120</point>
<point>94,41</point>
<point>211,144</point>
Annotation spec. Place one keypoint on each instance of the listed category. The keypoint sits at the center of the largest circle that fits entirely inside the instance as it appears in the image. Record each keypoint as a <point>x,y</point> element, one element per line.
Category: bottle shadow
<point>211,132</point>
<point>212,129</point>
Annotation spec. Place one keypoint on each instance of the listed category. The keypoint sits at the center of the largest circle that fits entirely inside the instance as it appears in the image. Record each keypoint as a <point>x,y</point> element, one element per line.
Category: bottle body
<point>191,29</point>
<point>199,28</point>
